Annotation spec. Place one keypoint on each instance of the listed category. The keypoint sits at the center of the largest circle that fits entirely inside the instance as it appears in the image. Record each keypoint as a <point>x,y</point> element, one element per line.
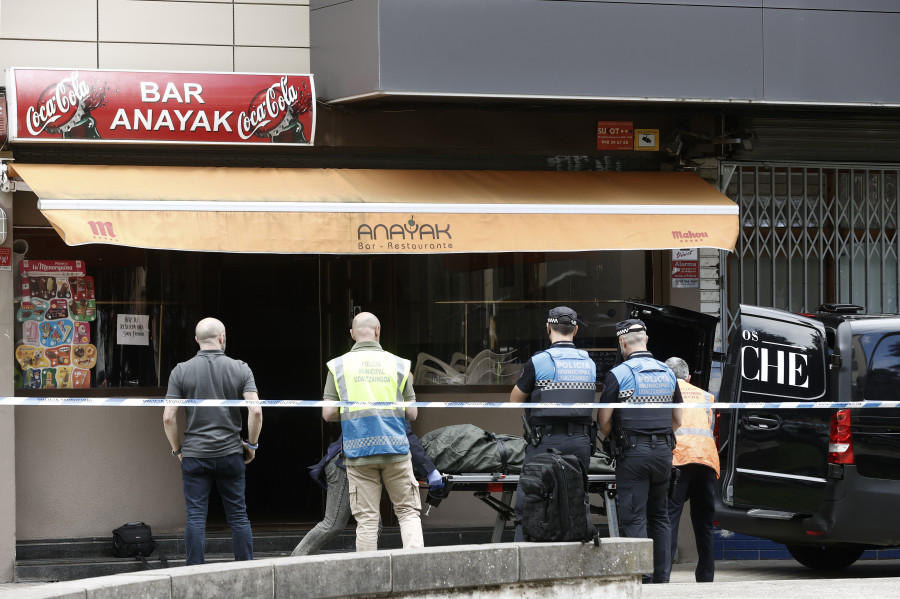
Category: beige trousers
<point>365,500</point>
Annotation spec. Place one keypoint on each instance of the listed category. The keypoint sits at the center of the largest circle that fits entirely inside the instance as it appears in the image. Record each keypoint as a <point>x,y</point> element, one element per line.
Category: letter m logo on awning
<point>102,229</point>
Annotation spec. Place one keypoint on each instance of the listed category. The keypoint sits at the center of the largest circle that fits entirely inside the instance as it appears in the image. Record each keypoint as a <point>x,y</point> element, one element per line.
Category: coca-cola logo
<point>273,110</point>
<point>62,106</point>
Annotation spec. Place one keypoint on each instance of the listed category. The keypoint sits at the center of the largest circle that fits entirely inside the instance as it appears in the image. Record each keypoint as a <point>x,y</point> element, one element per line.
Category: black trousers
<point>697,483</point>
<point>577,444</point>
<point>642,484</point>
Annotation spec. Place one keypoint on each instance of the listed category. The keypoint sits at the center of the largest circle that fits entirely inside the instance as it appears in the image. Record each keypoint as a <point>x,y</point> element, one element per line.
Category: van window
<point>884,370</point>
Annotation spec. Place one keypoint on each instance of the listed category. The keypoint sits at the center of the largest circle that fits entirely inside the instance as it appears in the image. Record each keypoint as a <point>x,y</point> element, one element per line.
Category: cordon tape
<point>299,403</point>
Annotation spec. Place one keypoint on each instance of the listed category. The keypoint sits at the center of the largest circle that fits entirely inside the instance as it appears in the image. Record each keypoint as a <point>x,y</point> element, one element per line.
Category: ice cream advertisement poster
<point>55,349</point>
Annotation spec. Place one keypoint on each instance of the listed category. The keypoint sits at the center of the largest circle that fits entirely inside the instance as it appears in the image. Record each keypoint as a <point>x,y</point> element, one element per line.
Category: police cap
<point>632,325</point>
<point>562,315</point>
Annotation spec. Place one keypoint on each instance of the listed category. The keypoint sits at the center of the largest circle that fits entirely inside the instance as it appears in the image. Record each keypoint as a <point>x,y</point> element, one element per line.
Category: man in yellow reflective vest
<point>376,448</point>
<point>697,458</point>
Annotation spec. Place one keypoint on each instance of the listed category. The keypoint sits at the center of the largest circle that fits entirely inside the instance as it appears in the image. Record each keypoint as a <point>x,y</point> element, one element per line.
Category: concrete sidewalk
<point>781,579</point>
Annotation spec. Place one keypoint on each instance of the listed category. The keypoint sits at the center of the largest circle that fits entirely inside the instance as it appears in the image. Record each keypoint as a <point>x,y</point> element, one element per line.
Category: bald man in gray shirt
<point>212,451</point>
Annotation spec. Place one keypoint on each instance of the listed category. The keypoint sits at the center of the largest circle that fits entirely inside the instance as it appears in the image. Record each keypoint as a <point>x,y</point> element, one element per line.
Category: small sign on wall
<point>646,140</point>
<point>685,268</point>
<point>133,329</point>
<point>615,135</point>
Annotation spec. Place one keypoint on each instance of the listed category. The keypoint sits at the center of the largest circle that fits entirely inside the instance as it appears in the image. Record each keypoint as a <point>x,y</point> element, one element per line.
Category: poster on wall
<point>58,304</point>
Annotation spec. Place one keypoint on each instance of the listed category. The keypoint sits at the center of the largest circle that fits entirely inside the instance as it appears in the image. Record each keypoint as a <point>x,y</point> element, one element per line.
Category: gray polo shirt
<point>211,432</point>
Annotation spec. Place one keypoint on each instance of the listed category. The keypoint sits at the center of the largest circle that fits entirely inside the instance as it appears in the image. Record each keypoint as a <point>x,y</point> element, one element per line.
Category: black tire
<point>825,558</point>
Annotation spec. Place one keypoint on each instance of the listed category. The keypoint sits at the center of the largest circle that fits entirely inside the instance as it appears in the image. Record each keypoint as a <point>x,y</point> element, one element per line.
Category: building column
<point>8,336</point>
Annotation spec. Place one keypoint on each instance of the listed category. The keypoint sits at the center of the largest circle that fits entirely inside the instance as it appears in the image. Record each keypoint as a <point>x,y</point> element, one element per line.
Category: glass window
<point>463,319</point>
<point>884,371</point>
<point>475,319</point>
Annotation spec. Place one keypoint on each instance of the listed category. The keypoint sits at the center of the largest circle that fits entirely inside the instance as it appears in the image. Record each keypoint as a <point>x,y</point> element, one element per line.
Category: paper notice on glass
<point>133,329</point>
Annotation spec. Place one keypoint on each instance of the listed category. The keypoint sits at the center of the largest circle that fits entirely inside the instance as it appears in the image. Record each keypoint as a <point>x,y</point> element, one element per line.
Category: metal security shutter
<point>823,136</point>
<point>812,234</point>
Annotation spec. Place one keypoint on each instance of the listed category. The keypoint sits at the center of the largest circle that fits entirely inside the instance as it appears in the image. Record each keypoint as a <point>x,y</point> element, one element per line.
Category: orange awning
<point>353,211</point>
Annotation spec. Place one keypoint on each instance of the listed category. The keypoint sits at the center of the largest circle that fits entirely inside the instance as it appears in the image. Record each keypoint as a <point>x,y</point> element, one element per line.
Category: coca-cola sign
<point>52,105</point>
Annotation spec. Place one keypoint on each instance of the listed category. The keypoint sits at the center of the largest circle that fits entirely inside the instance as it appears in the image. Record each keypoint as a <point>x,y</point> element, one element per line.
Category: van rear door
<point>778,457</point>
<point>675,331</point>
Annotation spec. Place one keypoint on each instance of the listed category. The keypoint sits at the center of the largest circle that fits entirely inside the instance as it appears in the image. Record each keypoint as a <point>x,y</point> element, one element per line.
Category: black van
<point>823,481</point>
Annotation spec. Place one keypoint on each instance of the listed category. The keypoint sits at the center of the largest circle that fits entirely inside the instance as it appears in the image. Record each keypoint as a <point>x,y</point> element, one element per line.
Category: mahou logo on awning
<point>49,105</point>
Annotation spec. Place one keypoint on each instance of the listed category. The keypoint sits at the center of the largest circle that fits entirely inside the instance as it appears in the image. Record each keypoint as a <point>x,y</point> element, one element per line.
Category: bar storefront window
<point>464,320</point>
<point>474,320</point>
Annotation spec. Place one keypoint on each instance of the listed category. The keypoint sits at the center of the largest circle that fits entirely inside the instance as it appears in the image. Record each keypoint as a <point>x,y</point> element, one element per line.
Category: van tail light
<point>840,441</point>
<point>717,429</point>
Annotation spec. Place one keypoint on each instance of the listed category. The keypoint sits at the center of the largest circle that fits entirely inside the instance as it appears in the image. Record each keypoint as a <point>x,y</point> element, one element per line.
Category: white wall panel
<point>165,22</point>
<point>67,20</point>
<point>248,59</point>
<point>166,57</point>
<point>290,2</point>
<point>29,53</point>
<point>271,25</point>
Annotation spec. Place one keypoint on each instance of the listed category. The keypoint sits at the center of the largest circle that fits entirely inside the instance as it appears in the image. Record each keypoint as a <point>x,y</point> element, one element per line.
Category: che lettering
<point>784,367</point>
<point>150,93</point>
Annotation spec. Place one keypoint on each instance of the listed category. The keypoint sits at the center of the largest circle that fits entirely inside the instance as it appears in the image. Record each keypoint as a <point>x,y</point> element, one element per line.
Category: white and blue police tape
<point>301,403</point>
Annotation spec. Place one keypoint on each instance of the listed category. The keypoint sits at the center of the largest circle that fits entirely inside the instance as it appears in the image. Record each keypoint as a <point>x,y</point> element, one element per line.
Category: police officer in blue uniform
<point>642,441</point>
<point>560,374</point>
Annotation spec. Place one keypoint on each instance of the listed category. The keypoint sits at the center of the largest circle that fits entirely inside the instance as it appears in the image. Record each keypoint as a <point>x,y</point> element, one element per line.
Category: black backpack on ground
<point>556,504</point>
<point>135,539</point>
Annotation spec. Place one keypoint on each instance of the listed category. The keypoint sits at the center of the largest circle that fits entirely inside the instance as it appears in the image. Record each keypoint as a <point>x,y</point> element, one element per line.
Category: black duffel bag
<point>135,539</point>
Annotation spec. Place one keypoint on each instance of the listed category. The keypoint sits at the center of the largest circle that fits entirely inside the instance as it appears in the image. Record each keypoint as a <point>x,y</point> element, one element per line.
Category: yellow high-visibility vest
<point>372,376</point>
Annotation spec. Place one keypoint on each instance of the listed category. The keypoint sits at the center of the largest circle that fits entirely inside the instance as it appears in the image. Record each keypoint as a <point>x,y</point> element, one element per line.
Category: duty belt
<point>652,438</point>
<point>564,428</point>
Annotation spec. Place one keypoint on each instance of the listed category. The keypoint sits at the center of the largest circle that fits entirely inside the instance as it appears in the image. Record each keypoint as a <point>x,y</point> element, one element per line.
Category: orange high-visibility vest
<point>696,443</point>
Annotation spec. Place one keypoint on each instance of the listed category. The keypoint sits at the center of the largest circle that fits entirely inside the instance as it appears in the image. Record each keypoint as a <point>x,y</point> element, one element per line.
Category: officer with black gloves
<point>643,439</point>
<point>560,374</point>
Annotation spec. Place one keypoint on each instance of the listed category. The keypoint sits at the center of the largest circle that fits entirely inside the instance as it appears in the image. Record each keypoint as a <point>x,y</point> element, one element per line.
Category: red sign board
<point>5,258</point>
<point>685,269</point>
<point>615,135</point>
<point>2,118</point>
<point>53,105</point>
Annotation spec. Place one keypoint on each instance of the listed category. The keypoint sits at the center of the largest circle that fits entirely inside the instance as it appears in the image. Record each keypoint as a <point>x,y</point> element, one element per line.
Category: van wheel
<point>825,558</point>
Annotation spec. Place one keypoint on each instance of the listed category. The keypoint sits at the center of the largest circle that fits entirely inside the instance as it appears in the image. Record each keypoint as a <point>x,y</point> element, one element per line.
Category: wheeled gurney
<point>485,485</point>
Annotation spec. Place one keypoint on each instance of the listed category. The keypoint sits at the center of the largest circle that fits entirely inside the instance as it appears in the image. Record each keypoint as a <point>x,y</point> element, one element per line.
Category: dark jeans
<point>642,484</point>
<point>578,444</point>
<point>198,476</point>
<point>697,483</point>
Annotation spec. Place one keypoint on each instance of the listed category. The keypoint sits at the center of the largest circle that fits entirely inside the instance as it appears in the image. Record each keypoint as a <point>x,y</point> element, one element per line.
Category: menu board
<point>58,304</point>
<point>605,358</point>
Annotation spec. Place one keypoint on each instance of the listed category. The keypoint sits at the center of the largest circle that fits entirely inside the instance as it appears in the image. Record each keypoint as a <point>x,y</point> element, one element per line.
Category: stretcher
<point>485,485</point>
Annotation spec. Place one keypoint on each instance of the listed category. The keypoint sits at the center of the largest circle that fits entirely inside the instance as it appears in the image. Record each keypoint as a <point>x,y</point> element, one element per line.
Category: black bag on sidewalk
<point>135,539</point>
<point>556,505</point>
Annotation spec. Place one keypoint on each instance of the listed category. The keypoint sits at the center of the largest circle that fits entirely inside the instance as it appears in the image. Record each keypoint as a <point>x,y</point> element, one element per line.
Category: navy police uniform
<point>644,465</point>
<point>560,374</point>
